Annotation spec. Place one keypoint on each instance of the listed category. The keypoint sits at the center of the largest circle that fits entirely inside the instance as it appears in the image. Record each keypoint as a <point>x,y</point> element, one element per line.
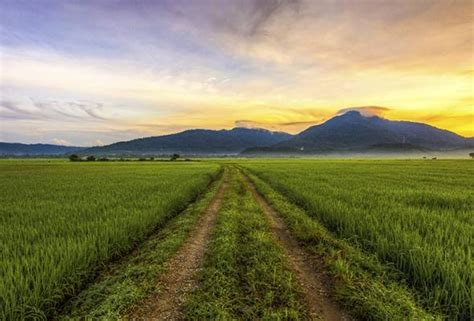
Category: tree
<point>472,155</point>
<point>74,158</point>
<point>90,158</point>
<point>174,157</point>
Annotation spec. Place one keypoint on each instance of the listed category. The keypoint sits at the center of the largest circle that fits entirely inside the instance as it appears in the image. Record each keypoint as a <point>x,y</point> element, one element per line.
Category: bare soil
<point>308,268</point>
<point>181,270</point>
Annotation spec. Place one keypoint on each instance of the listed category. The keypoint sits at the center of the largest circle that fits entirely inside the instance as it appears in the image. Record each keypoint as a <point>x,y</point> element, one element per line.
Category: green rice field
<point>59,221</point>
<point>415,215</point>
<point>395,236</point>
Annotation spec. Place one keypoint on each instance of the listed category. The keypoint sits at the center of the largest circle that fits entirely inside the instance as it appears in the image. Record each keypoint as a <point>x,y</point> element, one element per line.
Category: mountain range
<point>346,133</point>
<point>196,142</point>
<point>18,149</point>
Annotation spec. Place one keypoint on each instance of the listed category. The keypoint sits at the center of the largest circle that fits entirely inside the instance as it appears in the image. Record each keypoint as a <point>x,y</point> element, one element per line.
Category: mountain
<point>354,132</point>
<point>196,142</point>
<point>17,149</point>
<point>346,133</point>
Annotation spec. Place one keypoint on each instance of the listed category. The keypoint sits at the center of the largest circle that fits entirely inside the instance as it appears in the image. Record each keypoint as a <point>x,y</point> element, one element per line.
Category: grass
<point>60,222</point>
<point>245,276</point>
<point>368,289</point>
<point>131,279</point>
<point>413,215</point>
<point>87,240</point>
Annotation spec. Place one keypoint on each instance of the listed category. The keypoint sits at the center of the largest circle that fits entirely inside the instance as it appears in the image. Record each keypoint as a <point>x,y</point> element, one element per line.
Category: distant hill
<point>196,142</point>
<point>17,149</point>
<point>350,132</point>
<point>353,132</point>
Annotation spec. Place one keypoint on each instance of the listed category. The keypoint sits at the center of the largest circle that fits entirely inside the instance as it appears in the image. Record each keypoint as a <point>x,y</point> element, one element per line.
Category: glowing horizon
<point>96,72</point>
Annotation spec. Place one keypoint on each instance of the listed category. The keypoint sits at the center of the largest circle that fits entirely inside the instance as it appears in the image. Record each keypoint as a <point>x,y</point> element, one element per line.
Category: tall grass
<point>60,221</point>
<point>126,282</point>
<point>368,289</point>
<point>416,215</point>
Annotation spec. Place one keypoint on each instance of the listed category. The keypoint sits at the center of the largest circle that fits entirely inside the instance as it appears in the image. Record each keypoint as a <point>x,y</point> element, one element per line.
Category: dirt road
<point>307,268</point>
<point>180,276</point>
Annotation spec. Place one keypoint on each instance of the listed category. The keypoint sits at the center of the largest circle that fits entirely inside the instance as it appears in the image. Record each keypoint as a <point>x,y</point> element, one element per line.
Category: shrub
<point>74,158</point>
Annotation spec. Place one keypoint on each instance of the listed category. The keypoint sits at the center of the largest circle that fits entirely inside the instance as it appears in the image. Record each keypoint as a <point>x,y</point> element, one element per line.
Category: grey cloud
<point>300,123</point>
<point>255,15</point>
<point>91,109</point>
<point>367,111</point>
<point>245,123</point>
<point>14,110</point>
<point>238,18</point>
<point>11,106</point>
<point>51,110</point>
<point>72,109</point>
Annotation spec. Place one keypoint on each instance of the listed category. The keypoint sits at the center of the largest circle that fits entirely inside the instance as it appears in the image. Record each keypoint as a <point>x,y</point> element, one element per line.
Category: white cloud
<point>58,141</point>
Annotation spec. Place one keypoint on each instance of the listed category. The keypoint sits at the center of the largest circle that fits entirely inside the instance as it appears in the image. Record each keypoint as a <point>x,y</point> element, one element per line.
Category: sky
<point>93,72</point>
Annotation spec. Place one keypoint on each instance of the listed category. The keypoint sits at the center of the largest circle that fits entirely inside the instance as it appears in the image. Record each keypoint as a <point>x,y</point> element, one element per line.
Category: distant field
<point>416,215</point>
<point>61,220</point>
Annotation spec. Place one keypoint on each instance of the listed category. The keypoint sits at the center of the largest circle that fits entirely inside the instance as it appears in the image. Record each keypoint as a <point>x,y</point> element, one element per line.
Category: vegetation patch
<point>245,274</point>
<point>368,289</point>
<point>131,279</point>
<point>415,215</point>
<point>61,222</point>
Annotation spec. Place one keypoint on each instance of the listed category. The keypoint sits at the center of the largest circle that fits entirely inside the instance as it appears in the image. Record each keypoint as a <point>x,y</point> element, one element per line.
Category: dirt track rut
<point>181,270</point>
<point>306,267</point>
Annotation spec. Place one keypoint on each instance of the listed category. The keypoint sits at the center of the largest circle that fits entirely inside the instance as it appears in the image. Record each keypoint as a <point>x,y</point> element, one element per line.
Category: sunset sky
<point>96,72</point>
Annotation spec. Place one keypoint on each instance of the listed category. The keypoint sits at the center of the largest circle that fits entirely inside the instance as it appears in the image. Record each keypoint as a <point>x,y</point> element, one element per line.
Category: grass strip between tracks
<point>245,274</point>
